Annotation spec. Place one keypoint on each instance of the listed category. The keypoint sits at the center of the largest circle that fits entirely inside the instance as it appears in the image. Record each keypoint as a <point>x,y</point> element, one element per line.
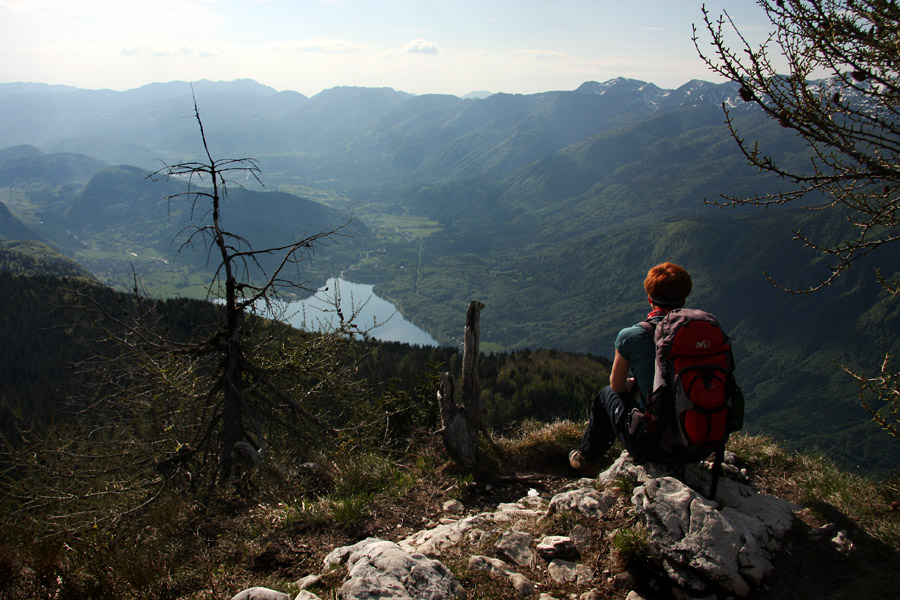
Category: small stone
<point>454,507</point>
<point>516,546</point>
<point>557,546</point>
<point>564,571</point>
<point>581,537</point>
<point>308,581</point>
<point>497,568</point>
<point>521,584</point>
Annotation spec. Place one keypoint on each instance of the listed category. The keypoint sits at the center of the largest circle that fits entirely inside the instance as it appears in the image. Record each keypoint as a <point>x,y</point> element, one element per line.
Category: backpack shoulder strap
<point>648,326</point>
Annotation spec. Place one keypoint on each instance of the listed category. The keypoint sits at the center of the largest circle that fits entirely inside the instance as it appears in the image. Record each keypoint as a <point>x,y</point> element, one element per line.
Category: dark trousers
<point>608,421</point>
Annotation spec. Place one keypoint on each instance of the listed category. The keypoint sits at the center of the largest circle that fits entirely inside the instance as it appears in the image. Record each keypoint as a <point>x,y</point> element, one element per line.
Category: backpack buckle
<point>636,423</point>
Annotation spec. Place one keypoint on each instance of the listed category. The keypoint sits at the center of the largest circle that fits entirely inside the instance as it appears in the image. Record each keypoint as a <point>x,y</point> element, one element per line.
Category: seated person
<point>631,378</point>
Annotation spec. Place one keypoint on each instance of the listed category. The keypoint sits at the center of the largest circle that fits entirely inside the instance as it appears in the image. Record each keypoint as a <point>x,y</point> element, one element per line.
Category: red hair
<point>668,285</point>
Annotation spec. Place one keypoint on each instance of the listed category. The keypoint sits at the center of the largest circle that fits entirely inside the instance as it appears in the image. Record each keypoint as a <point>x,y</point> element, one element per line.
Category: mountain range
<point>548,207</point>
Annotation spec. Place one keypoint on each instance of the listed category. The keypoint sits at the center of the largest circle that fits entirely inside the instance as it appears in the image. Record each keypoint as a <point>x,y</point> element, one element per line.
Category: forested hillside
<point>548,207</point>
<point>37,258</point>
<point>47,337</point>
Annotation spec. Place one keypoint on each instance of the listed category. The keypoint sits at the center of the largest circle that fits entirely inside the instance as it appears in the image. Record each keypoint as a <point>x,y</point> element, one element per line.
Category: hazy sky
<point>418,46</point>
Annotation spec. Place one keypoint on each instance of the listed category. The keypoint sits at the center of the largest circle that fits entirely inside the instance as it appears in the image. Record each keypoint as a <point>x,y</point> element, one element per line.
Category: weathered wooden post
<point>461,425</point>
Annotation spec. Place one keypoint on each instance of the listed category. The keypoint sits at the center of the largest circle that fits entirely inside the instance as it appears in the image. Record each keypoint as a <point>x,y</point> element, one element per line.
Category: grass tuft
<point>541,443</point>
<point>625,486</point>
<point>631,547</point>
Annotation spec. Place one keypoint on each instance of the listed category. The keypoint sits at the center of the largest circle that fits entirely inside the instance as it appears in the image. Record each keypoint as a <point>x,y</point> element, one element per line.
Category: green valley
<point>547,207</point>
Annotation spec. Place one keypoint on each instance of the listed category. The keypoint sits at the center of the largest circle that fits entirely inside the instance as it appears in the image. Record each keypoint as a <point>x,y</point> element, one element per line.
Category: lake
<point>317,313</point>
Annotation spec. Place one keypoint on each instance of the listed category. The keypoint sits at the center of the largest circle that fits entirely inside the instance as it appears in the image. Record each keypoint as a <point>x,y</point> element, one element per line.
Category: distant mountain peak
<point>692,93</point>
<point>618,83</point>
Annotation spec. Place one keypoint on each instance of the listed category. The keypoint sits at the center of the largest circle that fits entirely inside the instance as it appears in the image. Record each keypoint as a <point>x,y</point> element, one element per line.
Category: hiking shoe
<point>587,468</point>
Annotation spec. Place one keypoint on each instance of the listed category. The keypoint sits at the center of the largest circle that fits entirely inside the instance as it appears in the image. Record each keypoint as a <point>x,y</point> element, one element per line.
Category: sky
<point>416,46</point>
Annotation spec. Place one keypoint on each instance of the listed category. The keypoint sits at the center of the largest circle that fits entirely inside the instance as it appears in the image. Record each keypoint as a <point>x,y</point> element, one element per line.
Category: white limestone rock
<point>704,548</point>
<point>260,593</point>
<point>497,568</point>
<point>564,571</point>
<point>557,546</point>
<point>381,569</point>
<point>586,501</point>
<point>515,546</point>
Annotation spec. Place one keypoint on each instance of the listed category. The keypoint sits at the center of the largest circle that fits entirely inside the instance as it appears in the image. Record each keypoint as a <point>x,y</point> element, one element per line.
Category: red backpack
<point>695,403</point>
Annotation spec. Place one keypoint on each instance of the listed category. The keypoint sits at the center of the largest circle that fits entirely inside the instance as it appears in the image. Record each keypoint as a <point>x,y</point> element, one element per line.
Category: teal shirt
<point>636,345</point>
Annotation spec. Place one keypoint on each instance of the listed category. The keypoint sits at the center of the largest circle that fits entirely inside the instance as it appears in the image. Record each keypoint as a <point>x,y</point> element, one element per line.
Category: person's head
<point>667,285</point>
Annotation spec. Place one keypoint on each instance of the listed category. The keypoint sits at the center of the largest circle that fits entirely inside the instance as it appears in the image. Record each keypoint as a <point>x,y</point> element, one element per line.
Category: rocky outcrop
<point>705,545</point>
<point>700,548</point>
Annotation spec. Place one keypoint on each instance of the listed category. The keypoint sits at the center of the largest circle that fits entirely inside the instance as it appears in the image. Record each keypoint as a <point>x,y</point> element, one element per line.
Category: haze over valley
<point>548,207</point>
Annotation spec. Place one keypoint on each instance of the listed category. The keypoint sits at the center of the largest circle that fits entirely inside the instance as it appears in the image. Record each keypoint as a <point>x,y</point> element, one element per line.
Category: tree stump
<point>461,423</point>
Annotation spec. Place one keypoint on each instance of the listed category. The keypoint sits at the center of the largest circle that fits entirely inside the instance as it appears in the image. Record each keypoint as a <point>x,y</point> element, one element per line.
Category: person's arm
<point>618,376</point>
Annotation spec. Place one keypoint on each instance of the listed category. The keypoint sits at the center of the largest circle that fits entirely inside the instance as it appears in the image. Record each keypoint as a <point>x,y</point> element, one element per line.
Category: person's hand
<point>629,384</point>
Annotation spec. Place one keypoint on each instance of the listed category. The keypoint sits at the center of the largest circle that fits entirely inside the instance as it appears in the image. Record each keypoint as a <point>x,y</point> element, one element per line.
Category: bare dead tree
<point>461,424</point>
<point>243,394</point>
<point>841,96</point>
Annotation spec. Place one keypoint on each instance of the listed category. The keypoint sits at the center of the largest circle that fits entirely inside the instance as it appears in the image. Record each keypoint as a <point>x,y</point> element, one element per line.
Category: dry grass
<point>284,534</point>
<point>829,493</point>
<point>540,444</point>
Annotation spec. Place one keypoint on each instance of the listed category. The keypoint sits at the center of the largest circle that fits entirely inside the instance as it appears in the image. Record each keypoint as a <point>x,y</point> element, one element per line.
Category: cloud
<point>421,47</point>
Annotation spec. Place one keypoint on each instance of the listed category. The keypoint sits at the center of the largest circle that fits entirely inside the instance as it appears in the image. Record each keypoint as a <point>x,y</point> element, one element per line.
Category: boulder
<point>707,545</point>
<point>380,569</point>
<point>698,545</point>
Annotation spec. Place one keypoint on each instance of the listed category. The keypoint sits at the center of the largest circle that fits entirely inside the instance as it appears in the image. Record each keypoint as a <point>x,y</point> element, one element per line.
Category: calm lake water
<point>317,312</point>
